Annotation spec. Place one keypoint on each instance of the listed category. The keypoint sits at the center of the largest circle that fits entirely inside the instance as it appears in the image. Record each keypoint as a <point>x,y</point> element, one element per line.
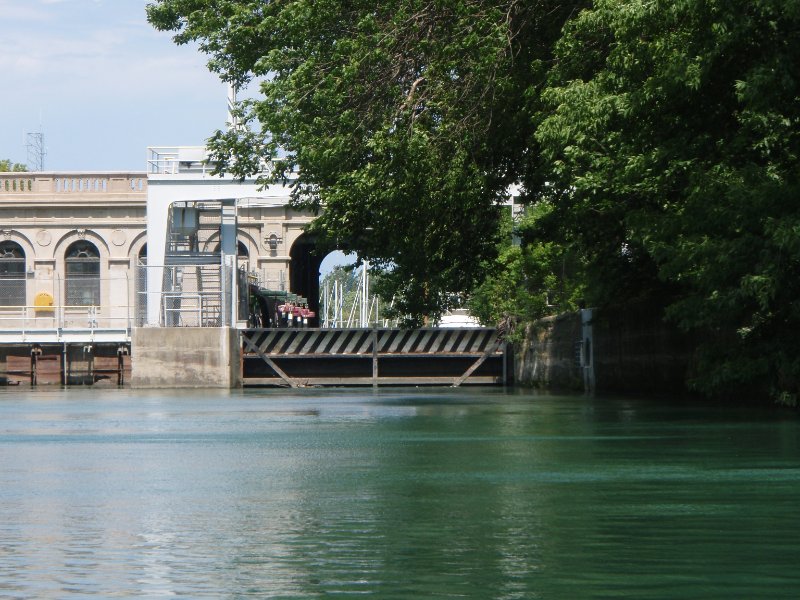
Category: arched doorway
<point>305,260</point>
<point>12,274</point>
<point>338,280</point>
<point>82,274</point>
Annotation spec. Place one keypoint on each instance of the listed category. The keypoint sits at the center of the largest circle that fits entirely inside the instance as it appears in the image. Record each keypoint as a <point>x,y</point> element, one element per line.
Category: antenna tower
<point>36,151</point>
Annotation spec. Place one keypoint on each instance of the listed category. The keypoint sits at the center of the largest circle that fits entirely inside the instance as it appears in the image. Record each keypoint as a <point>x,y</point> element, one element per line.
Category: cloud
<point>80,49</point>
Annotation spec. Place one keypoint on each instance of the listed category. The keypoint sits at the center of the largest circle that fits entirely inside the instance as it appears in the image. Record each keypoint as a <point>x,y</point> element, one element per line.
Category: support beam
<point>252,347</point>
<point>490,349</point>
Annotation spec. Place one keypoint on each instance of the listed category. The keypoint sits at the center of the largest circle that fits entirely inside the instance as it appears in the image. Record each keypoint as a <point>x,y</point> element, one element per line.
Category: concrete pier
<point>185,357</point>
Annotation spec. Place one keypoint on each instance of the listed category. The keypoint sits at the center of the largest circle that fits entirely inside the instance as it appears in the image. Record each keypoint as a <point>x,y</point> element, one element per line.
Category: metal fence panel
<point>197,295</point>
<point>36,302</point>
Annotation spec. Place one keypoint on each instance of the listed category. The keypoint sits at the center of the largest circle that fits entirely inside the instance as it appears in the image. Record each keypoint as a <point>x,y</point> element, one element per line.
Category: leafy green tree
<point>531,278</point>
<point>658,140</point>
<point>672,142</point>
<point>7,166</point>
<point>408,120</point>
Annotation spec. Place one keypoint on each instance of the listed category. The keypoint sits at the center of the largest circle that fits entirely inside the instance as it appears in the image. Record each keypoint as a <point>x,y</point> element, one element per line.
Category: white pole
<point>339,304</point>
<point>328,307</point>
<point>335,303</point>
<point>364,294</point>
<point>223,283</point>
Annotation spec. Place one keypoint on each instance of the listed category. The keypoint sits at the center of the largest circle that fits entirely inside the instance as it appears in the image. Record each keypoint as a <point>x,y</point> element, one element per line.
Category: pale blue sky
<point>103,84</point>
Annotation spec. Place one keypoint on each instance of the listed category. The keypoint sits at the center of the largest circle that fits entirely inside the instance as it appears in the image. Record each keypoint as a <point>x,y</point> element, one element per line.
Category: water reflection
<point>398,494</point>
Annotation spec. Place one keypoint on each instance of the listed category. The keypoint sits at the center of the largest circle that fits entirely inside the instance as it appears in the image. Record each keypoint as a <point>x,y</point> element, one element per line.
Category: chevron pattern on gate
<point>440,341</point>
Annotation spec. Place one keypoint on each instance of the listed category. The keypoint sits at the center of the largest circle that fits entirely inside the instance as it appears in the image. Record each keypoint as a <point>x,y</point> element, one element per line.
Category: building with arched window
<point>12,274</point>
<point>74,247</point>
<point>82,274</point>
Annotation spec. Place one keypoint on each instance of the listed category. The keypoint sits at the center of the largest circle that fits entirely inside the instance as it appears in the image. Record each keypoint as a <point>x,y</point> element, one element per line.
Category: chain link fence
<point>199,295</point>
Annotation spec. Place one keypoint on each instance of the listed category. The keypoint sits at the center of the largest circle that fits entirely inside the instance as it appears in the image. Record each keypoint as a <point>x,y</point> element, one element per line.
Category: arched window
<point>242,254</point>
<point>12,274</point>
<point>241,249</point>
<point>82,274</point>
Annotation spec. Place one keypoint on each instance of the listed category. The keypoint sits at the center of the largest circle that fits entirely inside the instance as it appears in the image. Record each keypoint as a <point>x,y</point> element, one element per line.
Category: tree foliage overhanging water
<point>656,144</point>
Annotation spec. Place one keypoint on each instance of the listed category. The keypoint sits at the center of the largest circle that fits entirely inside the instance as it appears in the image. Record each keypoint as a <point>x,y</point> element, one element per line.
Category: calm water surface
<point>433,493</point>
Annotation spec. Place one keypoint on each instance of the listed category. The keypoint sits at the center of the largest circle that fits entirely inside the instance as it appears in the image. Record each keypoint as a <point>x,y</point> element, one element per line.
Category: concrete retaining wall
<point>185,357</point>
<point>549,355</point>
<point>628,350</point>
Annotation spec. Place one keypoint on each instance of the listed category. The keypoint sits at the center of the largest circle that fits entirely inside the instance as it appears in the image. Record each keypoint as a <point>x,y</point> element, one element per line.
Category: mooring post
<point>35,352</point>
<point>64,366</point>
<point>120,365</point>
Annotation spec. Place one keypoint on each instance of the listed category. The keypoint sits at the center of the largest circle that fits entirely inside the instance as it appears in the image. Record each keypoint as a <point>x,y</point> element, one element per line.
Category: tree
<point>531,277</point>
<point>672,142</point>
<point>407,120</point>
<point>7,166</point>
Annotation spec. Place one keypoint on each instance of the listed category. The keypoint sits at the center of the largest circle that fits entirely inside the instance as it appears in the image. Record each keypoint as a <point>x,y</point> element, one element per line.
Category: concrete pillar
<point>229,248</point>
<point>185,357</point>
<point>227,230</point>
<point>158,207</point>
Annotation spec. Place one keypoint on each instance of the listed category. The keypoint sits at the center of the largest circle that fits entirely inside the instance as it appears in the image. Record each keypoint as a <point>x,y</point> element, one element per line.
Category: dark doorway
<point>304,272</point>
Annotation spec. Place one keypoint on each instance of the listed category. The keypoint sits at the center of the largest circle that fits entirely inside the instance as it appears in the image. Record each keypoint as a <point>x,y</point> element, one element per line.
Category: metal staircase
<point>192,284</point>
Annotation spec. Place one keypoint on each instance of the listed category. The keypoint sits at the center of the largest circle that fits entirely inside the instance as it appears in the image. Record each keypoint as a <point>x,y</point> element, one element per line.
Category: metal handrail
<point>166,160</point>
<point>59,313</point>
<point>170,310</point>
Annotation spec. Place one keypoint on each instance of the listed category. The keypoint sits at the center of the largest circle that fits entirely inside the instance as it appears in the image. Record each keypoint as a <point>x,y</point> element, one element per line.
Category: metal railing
<point>36,302</point>
<point>192,295</point>
<point>31,318</point>
<point>171,160</point>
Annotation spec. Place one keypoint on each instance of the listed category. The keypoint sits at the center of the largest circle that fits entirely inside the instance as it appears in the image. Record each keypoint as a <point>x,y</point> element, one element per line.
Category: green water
<point>422,493</point>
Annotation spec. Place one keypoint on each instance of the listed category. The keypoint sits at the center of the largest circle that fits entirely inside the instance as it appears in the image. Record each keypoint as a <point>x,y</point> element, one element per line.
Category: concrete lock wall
<point>630,350</point>
<point>185,357</point>
<point>548,355</point>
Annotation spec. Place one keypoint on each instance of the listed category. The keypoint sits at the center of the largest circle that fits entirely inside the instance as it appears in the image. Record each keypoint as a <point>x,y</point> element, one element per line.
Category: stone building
<point>71,244</point>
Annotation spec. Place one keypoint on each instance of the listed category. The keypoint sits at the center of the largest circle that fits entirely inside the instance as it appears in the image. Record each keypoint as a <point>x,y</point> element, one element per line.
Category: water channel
<point>402,493</point>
